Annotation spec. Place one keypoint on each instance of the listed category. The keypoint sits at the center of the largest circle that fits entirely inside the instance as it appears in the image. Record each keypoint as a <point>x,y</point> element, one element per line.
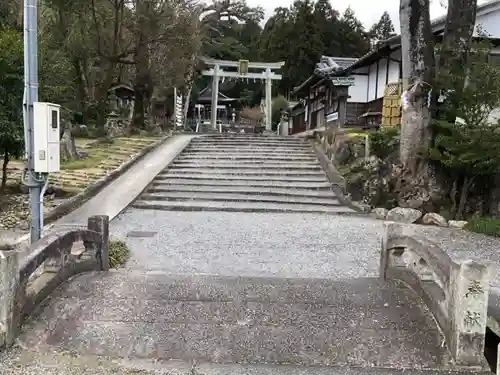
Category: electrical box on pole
<point>243,67</point>
<point>46,136</point>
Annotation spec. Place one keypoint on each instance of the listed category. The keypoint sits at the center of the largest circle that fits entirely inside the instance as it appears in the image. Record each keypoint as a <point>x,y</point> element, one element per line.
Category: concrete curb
<point>91,191</point>
<point>336,180</point>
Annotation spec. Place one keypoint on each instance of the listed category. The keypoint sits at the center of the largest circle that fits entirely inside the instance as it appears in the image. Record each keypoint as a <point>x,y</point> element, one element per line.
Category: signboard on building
<point>343,81</point>
<point>332,117</point>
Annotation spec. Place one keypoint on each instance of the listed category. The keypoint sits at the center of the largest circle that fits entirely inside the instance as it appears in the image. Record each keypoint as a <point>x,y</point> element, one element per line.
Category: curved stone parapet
<point>23,287</point>
<point>455,289</point>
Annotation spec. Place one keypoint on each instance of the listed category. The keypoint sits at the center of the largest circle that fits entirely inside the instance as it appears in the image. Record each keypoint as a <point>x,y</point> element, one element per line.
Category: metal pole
<point>215,96</point>
<point>30,96</point>
<point>269,103</point>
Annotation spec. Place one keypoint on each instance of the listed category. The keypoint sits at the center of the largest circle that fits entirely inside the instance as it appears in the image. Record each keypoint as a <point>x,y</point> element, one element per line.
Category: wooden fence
<point>391,106</point>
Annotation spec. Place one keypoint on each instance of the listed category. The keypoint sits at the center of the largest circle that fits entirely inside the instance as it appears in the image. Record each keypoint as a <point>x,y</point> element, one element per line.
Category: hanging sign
<point>342,81</point>
<point>332,117</point>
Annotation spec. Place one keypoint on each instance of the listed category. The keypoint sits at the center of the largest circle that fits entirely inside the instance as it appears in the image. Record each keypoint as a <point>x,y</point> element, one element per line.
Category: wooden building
<point>368,79</point>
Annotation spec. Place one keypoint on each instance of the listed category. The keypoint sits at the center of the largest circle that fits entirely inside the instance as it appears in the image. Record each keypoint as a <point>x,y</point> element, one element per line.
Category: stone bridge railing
<point>435,264</point>
<point>25,283</point>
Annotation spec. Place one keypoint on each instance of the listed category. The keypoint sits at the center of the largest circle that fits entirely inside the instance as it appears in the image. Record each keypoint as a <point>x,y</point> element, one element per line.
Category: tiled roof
<point>330,64</point>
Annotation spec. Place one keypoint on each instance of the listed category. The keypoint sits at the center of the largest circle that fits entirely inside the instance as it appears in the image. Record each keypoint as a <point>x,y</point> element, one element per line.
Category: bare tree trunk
<point>417,58</point>
<point>4,171</point>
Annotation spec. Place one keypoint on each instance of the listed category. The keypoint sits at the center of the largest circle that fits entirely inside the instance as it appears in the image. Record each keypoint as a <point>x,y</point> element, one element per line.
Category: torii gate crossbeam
<point>217,73</point>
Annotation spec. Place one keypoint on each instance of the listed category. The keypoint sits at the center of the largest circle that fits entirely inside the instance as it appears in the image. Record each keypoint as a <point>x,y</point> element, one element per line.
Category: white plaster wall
<point>490,23</point>
<point>372,75</point>
<point>393,72</point>
<point>382,76</point>
<point>358,91</point>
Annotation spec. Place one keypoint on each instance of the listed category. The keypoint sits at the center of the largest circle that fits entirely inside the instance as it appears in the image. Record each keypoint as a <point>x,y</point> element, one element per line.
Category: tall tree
<point>416,134</point>
<point>11,92</point>
<point>353,35</point>
<point>329,24</point>
<point>453,56</point>
<point>381,30</point>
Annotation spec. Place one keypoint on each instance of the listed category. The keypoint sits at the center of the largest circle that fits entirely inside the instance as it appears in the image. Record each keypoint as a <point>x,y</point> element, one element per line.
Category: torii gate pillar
<point>215,96</point>
<point>269,101</point>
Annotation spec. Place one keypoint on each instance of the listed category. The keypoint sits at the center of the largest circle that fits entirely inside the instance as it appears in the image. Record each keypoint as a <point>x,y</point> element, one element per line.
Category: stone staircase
<point>244,173</point>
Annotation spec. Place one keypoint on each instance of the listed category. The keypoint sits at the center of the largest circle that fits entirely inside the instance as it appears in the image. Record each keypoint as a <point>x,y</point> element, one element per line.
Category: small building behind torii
<point>225,105</point>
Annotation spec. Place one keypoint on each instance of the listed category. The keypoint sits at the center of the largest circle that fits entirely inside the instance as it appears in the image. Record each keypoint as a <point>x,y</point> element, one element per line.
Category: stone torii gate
<point>266,73</point>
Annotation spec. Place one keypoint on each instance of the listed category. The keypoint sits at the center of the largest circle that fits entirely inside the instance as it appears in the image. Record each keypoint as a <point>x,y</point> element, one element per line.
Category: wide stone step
<point>239,320</point>
<point>236,197</point>
<point>250,151</point>
<point>202,205</point>
<point>239,171</point>
<point>249,139</point>
<point>235,177</point>
<point>247,190</point>
<point>248,156</point>
<point>254,183</point>
<point>305,147</point>
<point>42,362</point>
<point>247,165</point>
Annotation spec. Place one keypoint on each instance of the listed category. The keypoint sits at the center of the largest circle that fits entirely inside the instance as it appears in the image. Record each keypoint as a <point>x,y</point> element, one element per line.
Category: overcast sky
<point>367,11</point>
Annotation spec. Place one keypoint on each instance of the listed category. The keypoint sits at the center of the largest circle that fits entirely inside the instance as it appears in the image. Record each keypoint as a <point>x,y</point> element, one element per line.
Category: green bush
<point>484,225</point>
<point>384,142</point>
<point>119,253</point>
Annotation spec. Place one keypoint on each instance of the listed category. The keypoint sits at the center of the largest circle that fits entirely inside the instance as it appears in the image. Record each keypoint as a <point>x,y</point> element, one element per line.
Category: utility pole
<point>34,182</point>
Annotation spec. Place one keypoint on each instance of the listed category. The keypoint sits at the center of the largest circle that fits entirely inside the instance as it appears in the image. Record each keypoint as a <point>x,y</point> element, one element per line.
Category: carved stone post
<point>9,281</point>
<point>467,309</point>
<point>100,224</point>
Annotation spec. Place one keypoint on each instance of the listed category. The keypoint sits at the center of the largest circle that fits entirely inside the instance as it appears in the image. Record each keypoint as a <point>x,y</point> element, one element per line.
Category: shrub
<point>119,253</point>
<point>384,142</point>
<point>483,225</point>
<point>466,153</point>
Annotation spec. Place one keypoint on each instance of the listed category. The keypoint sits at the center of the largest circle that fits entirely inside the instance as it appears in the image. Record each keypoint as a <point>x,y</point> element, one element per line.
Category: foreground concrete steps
<point>237,206</point>
<point>238,197</point>
<point>239,320</point>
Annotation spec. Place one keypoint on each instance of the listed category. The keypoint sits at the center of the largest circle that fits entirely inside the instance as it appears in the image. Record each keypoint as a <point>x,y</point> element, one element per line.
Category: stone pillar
<point>100,224</point>
<point>215,96</point>
<point>467,312</point>
<point>284,124</point>
<point>9,282</point>
<point>269,100</point>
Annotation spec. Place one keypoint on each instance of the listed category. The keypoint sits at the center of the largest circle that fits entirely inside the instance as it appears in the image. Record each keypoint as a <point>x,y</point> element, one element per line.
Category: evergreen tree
<point>355,42</point>
<point>381,30</point>
<point>328,22</point>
